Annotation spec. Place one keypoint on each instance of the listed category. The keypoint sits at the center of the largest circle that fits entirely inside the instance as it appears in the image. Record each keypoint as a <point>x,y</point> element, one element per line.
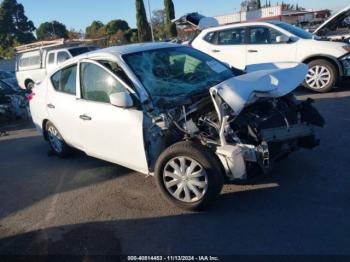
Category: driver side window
<point>97,84</point>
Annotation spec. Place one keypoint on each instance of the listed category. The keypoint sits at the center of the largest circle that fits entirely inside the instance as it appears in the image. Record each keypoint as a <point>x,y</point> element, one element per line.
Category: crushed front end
<point>265,132</point>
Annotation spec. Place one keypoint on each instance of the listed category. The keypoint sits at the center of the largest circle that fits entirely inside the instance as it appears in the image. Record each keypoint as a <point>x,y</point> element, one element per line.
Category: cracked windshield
<point>176,73</point>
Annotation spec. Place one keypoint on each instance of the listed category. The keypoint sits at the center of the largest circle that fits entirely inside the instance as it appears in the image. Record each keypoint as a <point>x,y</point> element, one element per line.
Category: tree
<point>131,35</point>
<point>95,30</point>
<point>258,4</point>
<point>51,30</point>
<point>170,15</point>
<point>159,26</point>
<point>73,34</point>
<point>15,28</point>
<point>115,25</point>
<point>143,28</point>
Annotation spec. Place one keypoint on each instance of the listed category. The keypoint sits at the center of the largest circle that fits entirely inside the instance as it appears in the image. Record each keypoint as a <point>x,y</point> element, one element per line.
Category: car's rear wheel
<point>189,175</point>
<point>321,76</point>
<point>57,143</point>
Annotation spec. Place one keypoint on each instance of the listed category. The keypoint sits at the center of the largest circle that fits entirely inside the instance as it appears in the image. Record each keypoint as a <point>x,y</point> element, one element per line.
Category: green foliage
<point>159,26</point>
<point>258,4</point>
<point>95,30</point>
<point>131,35</point>
<point>143,28</point>
<point>51,30</point>
<point>170,15</point>
<point>15,28</point>
<point>115,25</point>
<point>115,30</point>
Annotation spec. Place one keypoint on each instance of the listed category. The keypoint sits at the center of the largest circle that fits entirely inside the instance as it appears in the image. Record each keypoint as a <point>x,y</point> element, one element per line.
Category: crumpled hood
<point>272,80</point>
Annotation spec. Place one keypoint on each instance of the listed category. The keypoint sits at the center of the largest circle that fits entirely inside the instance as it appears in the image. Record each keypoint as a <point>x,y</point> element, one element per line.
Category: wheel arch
<point>328,58</point>
<point>27,81</point>
<point>45,121</point>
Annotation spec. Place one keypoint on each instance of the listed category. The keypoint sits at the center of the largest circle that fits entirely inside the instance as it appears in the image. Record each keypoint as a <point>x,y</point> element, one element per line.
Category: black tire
<point>207,160</point>
<point>63,150</point>
<point>329,83</point>
<point>30,85</point>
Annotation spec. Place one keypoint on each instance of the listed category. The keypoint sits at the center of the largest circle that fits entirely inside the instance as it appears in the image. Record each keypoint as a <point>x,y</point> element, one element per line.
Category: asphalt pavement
<point>84,206</point>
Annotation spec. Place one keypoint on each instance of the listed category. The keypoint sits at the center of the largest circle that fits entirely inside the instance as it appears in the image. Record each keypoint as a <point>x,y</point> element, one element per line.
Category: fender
<point>332,58</point>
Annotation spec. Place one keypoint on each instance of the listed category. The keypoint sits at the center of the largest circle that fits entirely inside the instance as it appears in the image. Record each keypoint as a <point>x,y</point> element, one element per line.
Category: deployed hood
<point>11,82</point>
<point>334,20</point>
<point>272,80</point>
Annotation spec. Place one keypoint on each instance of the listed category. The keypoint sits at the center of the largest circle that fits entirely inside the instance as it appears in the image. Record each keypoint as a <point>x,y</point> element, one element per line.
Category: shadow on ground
<point>301,208</point>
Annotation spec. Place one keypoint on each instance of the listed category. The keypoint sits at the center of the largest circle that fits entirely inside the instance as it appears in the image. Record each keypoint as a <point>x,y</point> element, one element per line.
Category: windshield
<point>175,73</point>
<point>297,31</point>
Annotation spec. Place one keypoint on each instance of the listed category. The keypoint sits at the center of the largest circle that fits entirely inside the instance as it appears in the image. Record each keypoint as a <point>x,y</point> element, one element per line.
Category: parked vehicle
<point>264,42</point>
<point>13,103</point>
<point>9,78</point>
<point>176,113</point>
<point>337,27</point>
<point>35,60</point>
<point>4,74</point>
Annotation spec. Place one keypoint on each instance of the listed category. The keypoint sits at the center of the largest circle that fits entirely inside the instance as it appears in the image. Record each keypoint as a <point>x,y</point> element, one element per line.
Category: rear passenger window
<point>62,56</point>
<point>65,80</point>
<point>233,36</point>
<point>51,59</point>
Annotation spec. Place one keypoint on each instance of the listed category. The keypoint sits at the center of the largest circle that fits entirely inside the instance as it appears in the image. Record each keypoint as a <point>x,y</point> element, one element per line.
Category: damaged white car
<point>175,113</point>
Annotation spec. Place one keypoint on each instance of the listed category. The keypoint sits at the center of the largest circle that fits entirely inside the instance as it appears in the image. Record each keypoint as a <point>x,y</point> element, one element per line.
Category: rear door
<point>61,104</point>
<point>229,46</point>
<point>263,48</point>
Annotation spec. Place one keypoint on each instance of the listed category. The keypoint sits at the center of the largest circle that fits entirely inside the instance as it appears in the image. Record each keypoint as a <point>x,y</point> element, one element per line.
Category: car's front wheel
<point>189,175</point>
<point>321,77</point>
<point>57,143</point>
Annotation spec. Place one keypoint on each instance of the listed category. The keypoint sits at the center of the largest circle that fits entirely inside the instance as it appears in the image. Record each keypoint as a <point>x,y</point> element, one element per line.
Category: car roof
<point>117,51</point>
<point>135,48</point>
<point>241,24</point>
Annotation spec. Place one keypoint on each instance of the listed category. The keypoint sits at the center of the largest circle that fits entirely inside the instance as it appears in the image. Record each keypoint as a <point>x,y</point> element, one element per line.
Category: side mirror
<point>121,99</point>
<point>282,39</point>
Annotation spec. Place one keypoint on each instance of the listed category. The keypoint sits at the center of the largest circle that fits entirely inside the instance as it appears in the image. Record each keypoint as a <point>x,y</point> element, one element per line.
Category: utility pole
<point>150,17</point>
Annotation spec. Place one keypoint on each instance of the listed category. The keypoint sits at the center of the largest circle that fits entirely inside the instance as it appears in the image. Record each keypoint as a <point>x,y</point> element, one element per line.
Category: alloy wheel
<point>318,77</point>
<point>54,139</point>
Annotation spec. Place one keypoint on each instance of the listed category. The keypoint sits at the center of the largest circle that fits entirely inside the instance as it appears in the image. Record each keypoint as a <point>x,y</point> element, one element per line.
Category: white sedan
<point>175,113</point>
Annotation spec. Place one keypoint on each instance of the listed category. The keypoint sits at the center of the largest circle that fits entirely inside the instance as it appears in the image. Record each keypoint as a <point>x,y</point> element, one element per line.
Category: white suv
<point>264,42</point>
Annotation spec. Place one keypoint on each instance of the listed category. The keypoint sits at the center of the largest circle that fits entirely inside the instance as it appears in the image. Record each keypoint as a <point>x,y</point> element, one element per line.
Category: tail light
<point>31,96</point>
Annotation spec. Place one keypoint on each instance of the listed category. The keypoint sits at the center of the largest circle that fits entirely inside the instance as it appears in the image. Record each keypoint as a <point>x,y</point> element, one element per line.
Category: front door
<point>263,48</point>
<point>109,132</point>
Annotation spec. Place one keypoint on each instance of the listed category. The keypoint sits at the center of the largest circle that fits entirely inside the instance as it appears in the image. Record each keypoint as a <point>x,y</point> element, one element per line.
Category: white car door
<point>108,132</point>
<point>61,103</point>
<point>229,46</point>
<point>263,48</point>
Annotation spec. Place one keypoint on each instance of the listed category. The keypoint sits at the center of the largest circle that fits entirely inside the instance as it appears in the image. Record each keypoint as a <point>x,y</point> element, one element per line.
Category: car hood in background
<point>11,82</point>
<point>272,80</point>
<point>334,19</point>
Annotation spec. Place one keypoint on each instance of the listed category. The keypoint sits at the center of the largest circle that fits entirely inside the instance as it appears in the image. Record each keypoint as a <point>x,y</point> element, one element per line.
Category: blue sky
<point>78,14</point>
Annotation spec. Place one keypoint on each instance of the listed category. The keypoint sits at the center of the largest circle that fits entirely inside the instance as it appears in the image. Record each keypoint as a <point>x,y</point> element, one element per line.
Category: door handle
<point>216,51</point>
<point>85,117</point>
<point>51,106</point>
<point>252,51</point>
